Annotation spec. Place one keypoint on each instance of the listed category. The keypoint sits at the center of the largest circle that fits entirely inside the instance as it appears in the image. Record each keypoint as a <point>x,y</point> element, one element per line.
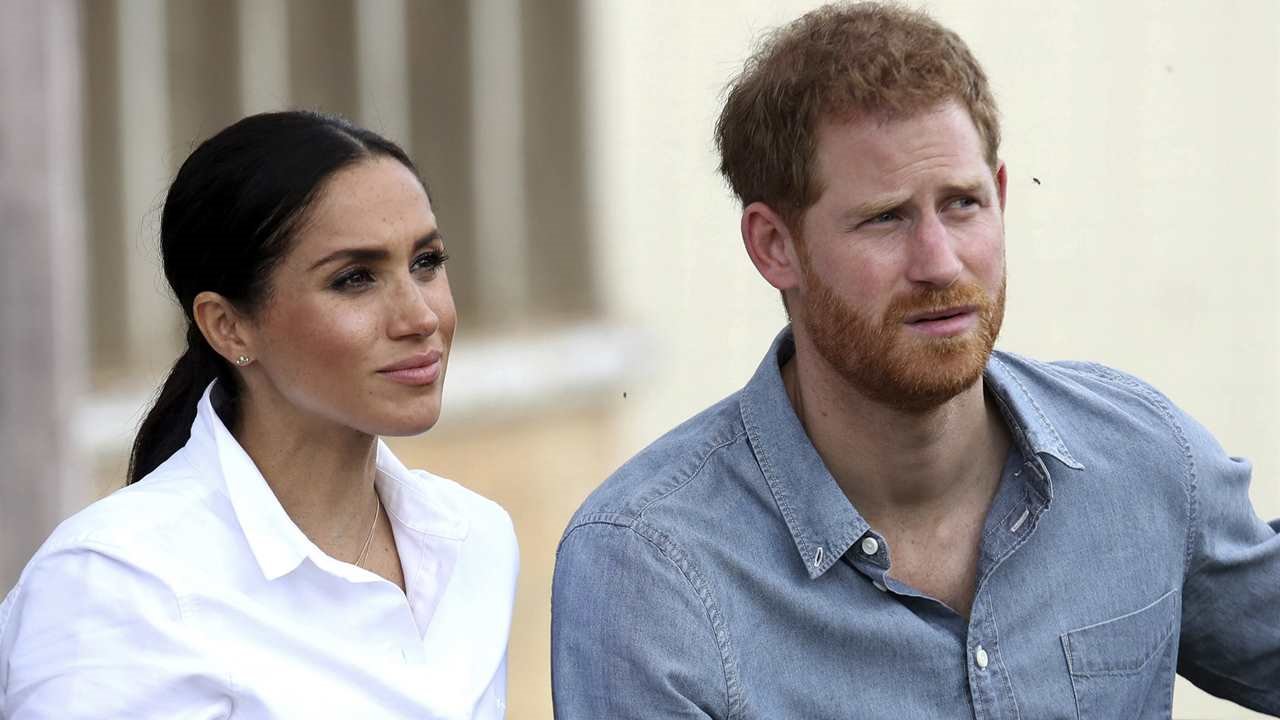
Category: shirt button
<point>870,546</point>
<point>980,657</point>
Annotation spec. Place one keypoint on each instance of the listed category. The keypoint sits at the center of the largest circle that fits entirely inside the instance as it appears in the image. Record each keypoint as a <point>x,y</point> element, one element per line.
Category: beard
<point>887,363</point>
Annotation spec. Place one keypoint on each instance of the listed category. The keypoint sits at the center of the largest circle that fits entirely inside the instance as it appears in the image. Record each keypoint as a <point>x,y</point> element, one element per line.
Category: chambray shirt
<point>722,572</point>
<point>192,594</point>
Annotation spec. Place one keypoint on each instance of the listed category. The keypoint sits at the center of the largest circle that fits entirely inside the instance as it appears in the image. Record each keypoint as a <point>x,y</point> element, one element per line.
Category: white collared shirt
<point>192,594</point>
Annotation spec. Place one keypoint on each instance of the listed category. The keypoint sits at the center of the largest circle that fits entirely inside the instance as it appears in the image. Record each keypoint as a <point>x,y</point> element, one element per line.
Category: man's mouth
<point>944,323</point>
<point>938,315</point>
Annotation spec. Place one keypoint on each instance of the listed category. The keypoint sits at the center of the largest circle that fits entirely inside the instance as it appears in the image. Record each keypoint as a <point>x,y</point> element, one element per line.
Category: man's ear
<point>224,327</point>
<point>1002,183</point>
<point>771,246</point>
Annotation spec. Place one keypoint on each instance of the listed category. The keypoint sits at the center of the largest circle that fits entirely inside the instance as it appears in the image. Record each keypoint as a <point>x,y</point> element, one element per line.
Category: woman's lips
<point>418,370</point>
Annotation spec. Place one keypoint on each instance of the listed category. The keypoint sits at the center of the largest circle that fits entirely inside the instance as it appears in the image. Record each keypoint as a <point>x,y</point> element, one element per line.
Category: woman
<point>271,557</point>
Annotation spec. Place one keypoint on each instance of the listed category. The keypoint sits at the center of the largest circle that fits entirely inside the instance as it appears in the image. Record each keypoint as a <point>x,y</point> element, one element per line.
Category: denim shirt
<point>722,572</point>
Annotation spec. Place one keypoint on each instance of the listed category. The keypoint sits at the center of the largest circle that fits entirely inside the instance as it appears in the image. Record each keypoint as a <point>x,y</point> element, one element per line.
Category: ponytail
<point>167,426</point>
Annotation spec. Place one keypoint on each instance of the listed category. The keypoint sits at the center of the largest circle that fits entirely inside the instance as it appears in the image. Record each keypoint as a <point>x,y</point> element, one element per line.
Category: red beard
<point>912,373</point>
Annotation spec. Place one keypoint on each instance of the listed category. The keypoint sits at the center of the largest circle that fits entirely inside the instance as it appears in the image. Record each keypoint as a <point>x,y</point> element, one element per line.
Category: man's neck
<point>899,467</point>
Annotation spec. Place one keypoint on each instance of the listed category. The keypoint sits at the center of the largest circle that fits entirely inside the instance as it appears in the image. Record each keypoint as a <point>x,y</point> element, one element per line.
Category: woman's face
<point>357,327</point>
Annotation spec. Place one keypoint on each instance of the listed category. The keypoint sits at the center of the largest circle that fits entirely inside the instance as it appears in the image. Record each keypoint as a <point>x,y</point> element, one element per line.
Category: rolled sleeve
<point>631,635</point>
<point>1230,643</point>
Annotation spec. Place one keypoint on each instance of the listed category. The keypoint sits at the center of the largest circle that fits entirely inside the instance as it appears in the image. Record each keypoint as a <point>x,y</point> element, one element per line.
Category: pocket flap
<point>1122,645</point>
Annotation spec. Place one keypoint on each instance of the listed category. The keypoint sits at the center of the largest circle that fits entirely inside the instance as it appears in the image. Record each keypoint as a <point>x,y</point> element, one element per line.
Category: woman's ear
<point>226,329</point>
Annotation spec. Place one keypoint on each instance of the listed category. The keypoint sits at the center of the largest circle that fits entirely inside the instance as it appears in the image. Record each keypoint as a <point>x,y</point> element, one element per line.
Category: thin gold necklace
<point>377,510</point>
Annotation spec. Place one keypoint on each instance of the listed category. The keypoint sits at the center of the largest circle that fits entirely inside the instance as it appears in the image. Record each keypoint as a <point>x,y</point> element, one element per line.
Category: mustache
<point>937,299</point>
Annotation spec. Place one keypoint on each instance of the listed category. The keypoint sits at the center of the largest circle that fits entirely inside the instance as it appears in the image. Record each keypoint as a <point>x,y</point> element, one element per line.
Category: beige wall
<point>1150,243</point>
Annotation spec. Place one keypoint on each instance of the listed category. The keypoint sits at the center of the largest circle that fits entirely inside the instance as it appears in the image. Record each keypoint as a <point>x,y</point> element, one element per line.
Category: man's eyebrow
<point>972,187</point>
<point>878,207</point>
<point>871,209</point>
<point>372,255</point>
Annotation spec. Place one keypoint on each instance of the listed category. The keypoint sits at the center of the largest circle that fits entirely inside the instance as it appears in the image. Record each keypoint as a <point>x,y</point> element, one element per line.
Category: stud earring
<point>242,361</point>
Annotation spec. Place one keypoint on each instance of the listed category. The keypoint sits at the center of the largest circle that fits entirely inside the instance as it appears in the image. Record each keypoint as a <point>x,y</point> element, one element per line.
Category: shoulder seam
<point>115,553</point>
<point>1163,406</point>
<point>675,555</point>
<point>677,480</point>
<point>702,463</point>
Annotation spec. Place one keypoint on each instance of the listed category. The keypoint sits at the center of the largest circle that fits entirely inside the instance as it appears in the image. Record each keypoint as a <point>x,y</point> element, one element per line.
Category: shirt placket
<point>991,695</point>
<point>989,683</point>
<point>990,686</point>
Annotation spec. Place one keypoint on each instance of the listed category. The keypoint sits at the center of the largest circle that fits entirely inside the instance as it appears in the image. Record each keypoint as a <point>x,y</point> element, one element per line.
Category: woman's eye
<point>353,280</point>
<point>429,261</point>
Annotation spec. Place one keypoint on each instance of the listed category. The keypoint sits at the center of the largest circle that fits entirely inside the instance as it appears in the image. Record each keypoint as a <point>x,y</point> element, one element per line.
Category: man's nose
<point>932,257</point>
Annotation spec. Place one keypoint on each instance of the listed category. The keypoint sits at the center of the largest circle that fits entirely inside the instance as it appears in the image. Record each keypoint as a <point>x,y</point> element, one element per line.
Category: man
<point>890,520</point>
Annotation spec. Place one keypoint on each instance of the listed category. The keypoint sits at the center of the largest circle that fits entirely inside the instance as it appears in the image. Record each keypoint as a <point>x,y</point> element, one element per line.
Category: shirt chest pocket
<point>1123,668</point>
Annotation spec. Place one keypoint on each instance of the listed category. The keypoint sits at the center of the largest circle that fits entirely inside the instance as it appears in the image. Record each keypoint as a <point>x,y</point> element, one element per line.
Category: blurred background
<point>601,285</point>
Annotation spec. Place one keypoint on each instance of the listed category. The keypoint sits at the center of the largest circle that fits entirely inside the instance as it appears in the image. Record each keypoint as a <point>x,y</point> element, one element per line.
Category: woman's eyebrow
<point>372,254</point>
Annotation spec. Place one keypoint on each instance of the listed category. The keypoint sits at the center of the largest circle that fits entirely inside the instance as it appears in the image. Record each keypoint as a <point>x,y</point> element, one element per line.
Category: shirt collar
<point>417,505</point>
<point>278,545</point>
<point>822,521</point>
<point>1030,420</point>
<point>431,527</point>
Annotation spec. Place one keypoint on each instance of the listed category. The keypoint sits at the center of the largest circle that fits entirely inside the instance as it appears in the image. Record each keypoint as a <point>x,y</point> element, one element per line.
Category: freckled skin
<point>910,218</point>
<point>319,348</point>
<point>909,221</point>
<point>908,160</point>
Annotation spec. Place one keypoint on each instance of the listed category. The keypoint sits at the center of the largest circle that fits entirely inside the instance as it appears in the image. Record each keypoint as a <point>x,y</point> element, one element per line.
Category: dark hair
<point>229,218</point>
<point>878,60</point>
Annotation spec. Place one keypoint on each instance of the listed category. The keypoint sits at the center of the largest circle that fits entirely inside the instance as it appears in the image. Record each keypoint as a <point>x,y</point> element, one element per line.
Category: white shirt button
<point>870,546</point>
<point>879,585</point>
<point>980,657</point>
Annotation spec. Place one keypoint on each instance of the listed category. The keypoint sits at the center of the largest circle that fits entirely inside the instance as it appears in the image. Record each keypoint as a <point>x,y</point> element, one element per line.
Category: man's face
<point>902,257</point>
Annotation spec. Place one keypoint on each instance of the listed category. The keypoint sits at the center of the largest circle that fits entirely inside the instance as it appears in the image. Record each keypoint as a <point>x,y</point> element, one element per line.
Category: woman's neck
<point>321,472</point>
